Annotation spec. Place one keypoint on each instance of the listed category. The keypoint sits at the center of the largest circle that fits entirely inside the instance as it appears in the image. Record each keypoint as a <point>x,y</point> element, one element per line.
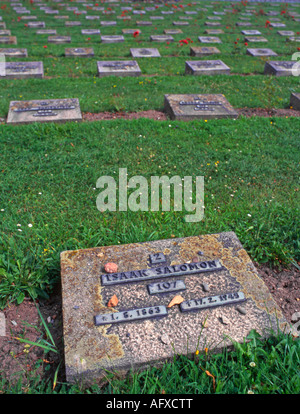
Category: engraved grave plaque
<point>206,67</point>
<point>279,68</point>
<point>118,68</point>
<point>13,52</point>
<point>79,52</point>
<point>112,39</point>
<point>59,39</point>
<point>9,40</point>
<point>203,51</point>
<point>161,38</point>
<point>190,106</point>
<point>260,52</point>
<point>49,110</point>
<point>255,39</point>
<point>209,39</point>
<point>144,52</point>
<point>21,70</point>
<point>142,329</point>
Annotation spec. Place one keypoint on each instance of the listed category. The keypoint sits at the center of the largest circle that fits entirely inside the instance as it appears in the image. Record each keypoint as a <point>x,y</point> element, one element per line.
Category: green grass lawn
<point>250,166</point>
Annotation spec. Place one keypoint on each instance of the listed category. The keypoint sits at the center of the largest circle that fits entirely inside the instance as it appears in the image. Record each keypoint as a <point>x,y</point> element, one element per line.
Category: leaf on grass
<point>113,301</point>
<point>175,301</point>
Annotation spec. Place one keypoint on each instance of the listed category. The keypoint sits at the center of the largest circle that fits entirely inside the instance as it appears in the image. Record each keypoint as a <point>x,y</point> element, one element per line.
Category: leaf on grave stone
<point>113,301</point>
<point>175,301</point>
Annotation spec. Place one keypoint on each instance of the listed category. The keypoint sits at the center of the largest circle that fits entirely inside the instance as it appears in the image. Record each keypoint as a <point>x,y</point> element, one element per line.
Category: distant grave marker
<point>112,39</point>
<point>144,52</point>
<point>59,39</point>
<point>203,51</point>
<point>209,39</point>
<point>206,67</point>
<point>260,52</point>
<point>295,101</point>
<point>118,68</point>
<point>79,52</point>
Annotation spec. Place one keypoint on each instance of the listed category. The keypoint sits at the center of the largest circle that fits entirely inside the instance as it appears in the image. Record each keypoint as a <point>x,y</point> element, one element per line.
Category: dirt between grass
<point>18,360</point>
<point>161,116</point>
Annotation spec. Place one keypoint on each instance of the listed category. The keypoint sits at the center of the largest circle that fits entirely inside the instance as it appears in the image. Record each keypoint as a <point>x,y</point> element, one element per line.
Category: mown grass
<point>48,192</point>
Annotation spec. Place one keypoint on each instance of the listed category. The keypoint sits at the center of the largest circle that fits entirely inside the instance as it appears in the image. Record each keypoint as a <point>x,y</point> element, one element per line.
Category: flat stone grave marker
<point>280,68</point>
<point>203,51</point>
<point>161,38</point>
<point>5,32</point>
<point>277,25</point>
<point>13,52</point>
<point>131,31</point>
<point>59,39</point>
<point>79,52</point>
<point>286,32</point>
<point>48,110</point>
<point>206,67</point>
<point>156,18</point>
<point>143,23</point>
<point>295,101</point>
<point>72,23</point>
<point>108,23</point>
<point>214,31</point>
<point>112,39</point>
<point>255,39</point>
<point>294,39</point>
<point>173,31</point>
<point>223,299</point>
<point>212,24</point>
<point>209,39</point>
<point>118,68</point>
<point>46,31</point>
<point>21,70</point>
<point>3,25</point>
<point>244,24</point>
<point>36,24</point>
<point>9,40</point>
<point>90,32</point>
<point>181,23</point>
<point>251,32</point>
<point>260,52</point>
<point>144,52</point>
<point>191,106</point>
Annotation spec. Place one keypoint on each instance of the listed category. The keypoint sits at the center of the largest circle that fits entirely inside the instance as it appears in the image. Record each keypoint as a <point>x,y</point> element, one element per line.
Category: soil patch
<point>18,360</point>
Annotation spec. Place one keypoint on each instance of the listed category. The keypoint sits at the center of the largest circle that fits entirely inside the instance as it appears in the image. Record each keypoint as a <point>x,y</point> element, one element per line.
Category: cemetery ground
<point>48,188</point>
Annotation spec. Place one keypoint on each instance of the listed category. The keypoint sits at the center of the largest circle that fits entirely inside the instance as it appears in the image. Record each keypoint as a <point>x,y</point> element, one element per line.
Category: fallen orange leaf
<point>113,301</point>
<point>213,377</point>
<point>175,301</point>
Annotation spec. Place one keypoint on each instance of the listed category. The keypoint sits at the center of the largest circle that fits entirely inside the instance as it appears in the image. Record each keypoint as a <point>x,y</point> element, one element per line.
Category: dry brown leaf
<point>113,301</point>
<point>175,301</point>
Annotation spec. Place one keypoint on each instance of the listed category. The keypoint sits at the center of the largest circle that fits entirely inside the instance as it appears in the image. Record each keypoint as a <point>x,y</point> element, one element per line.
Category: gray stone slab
<point>294,38</point>
<point>251,32</point>
<point>279,68</point>
<point>144,52</point>
<point>214,31</point>
<point>173,31</point>
<point>142,330</point>
<point>255,39</point>
<point>22,70</point>
<point>209,39</point>
<point>13,52</point>
<point>143,23</point>
<point>203,51</point>
<point>79,52</point>
<point>90,32</point>
<point>295,101</point>
<point>118,68</point>
<point>8,40</point>
<point>72,23</point>
<point>161,38</point>
<point>46,31</point>
<point>48,110</point>
<point>112,39</point>
<point>206,67</point>
<point>5,32</point>
<point>36,25</point>
<point>59,39</point>
<point>180,23</point>
<point>108,23</point>
<point>260,52</point>
<point>286,32</point>
<point>191,106</point>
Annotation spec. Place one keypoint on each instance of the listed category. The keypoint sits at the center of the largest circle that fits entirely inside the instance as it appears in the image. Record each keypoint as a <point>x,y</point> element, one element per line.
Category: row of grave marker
<point>19,70</point>
<point>181,106</point>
